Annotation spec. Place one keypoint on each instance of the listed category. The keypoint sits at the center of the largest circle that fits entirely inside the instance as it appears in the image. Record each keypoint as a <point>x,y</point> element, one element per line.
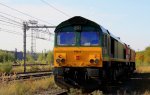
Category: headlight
<point>96,61</point>
<point>58,60</point>
<point>63,60</point>
<point>91,60</point>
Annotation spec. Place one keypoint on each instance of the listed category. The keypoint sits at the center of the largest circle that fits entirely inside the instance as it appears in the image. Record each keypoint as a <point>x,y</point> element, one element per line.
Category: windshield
<point>89,38</point>
<point>66,38</point>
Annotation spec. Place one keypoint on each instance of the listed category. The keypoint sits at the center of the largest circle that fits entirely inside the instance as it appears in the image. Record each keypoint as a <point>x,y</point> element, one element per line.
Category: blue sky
<point>127,19</point>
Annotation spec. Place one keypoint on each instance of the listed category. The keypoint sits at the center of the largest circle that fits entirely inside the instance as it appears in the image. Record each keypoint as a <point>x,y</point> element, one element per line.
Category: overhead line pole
<point>44,26</point>
<point>25,28</point>
<point>24,44</point>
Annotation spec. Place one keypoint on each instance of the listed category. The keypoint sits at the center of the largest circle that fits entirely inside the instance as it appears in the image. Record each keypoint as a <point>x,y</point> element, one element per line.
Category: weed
<point>27,87</point>
<point>75,92</point>
<point>97,92</point>
<point>143,69</point>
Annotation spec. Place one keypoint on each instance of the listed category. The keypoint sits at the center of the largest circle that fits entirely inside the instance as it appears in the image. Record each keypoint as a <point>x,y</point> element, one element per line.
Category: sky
<point>127,19</point>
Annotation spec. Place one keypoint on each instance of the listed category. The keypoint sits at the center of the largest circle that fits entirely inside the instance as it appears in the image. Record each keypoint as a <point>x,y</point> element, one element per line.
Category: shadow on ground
<point>137,84</point>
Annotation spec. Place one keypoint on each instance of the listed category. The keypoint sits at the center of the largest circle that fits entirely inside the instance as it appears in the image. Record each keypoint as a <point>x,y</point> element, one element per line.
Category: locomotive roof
<point>108,33</point>
<point>77,20</point>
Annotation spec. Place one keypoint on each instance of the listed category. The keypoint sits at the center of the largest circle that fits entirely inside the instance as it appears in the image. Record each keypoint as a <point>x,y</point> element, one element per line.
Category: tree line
<point>8,56</point>
<point>143,57</point>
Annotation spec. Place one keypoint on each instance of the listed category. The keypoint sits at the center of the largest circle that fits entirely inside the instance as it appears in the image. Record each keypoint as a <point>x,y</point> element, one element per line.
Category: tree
<point>6,56</point>
<point>147,55</point>
<point>49,57</point>
<point>30,59</point>
<point>140,57</point>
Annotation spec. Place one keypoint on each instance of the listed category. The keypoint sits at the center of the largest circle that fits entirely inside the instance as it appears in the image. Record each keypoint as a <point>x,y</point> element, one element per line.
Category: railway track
<point>16,65</point>
<point>28,75</point>
<point>25,76</point>
<point>53,92</point>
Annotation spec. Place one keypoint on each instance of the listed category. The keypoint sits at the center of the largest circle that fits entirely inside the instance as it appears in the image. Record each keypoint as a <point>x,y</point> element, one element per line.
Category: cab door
<point>106,47</point>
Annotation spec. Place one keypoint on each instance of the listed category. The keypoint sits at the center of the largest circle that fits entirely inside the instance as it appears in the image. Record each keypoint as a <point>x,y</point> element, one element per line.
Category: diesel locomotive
<point>86,54</point>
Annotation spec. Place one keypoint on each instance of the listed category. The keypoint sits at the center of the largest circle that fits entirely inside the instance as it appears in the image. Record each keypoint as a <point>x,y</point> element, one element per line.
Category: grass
<point>31,87</point>
<point>75,92</point>
<point>97,92</point>
<point>146,93</point>
<point>27,87</point>
<point>79,92</point>
<point>138,64</point>
<point>143,69</point>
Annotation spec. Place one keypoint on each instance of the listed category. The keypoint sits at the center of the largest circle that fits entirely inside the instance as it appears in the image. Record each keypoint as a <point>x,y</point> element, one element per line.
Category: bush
<point>29,59</point>
<point>45,58</point>
<point>5,67</point>
<point>49,57</point>
<point>6,56</point>
<point>143,57</point>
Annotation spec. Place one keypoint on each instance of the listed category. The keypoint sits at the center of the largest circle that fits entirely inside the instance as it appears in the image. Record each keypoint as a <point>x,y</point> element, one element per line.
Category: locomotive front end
<point>77,53</point>
<point>75,66</point>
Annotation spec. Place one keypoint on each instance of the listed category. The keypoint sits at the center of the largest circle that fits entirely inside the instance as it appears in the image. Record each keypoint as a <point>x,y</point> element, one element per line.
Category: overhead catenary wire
<point>12,16</point>
<point>17,33</point>
<point>10,25</point>
<point>10,31</point>
<point>5,16</point>
<point>10,19</point>
<point>10,22</point>
<point>24,13</point>
<point>46,32</point>
<point>55,8</point>
<point>14,32</point>
<point>20,34</point>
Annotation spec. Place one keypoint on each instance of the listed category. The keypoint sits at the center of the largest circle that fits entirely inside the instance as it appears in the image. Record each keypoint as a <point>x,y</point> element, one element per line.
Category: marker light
<point>60,56</point>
